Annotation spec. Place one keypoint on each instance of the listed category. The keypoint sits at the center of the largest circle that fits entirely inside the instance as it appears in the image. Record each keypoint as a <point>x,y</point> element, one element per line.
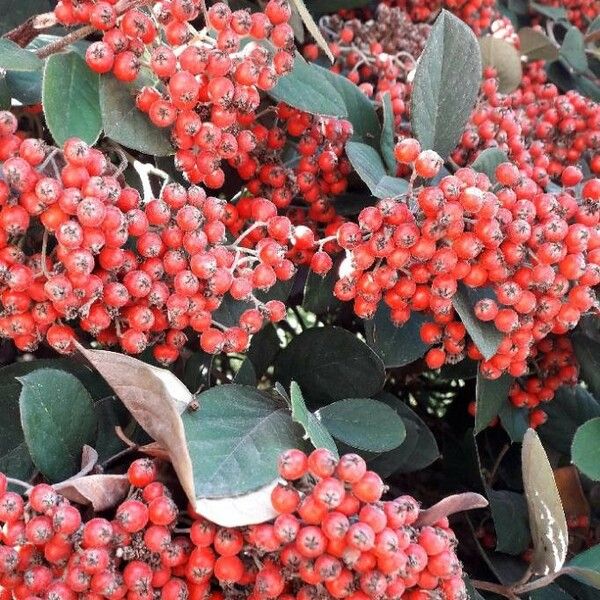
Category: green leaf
<point>418,450</point>
<point>330,363</point>
<point>58,419</point>
<point>360,110</point>
<point>125,124</point>
<point>388,136</point>
<point>70,98</point>
<point>585,567</point>
<point>235,438</point>
<point>111,413</point>
<point>514,421</point>
<point>391,187</point>
<point>550,12</point>
<point>315,430</point>
<point>15,58</point>
<point>505,58</point>
<point>537,46</point>
<point>509,512</point>
<point>547,520</point>
<point>571,407</point>
<point>587,352</point>
<point>585,451</point>
<point>483,333</point>
<point>550,592</point>
<point>446,84</point>
<point>25,87</point>
<point>472,593</point>
<point>5,99</point>
<point>397,346</point>
<point>321,7</point>
<point>491,396</point>
<point>572,50</point>
<point>367,163</point>
<point>318,291</point>
<point>15,12</point>
<point>488,160</point>
<point>364,423</point>
<point>308,89</point>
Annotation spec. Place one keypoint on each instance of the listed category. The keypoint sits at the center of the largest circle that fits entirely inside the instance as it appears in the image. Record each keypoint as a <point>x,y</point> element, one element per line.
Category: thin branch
<point>65,41</point>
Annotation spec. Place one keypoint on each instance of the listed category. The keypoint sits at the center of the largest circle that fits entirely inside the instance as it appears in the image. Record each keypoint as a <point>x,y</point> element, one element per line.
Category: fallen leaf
<point>250,509</point>
<point>156,399</point>
<point>100,491</point>
<point>450,505</point>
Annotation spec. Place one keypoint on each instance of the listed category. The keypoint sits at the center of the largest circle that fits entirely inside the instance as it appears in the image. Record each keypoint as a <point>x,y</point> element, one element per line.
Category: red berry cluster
<point>334,537</point>
<point>126,272</point>
<point>208,86</point>
<point>541,130</point>
<point>579,12</point>
<point>538,252</point>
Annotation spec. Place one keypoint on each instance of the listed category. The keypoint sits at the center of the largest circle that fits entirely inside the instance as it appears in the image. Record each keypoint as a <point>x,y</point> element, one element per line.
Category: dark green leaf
<point>472,593</point>
<point>585,567</point>
<point>15,12</point>
<point>484,334</point>
<point>509,511</point>
<point>550,12</point>
<point>488,160</point>
<point>360,110</point>
<point>15,460</point>
<point>418,450</point>
<point>573,50</point>
<point>71,99</point>
<point>514,420</point>
<point>330,363</point>
<point>58,419</point>
<point>587,351</point>
<point>504,57</point>
<point>321,7</point>
<point>318,291</point>
<point>397,346</point>
<point>367,163</point>
<point>125,124</point>
<point>537,46</point>
<point>263,348</point>
<point>308,89</point>
<point>446,84</point>
<point>234,439</point>
<point>550,592</point>
<point>25,87</point>
<point>491,397</point>
<point>391,187</point>
<point>559,74</point>
<point>364,423</point>
<point>5,99</point>
<point>315,430</point>
<point>388,136</point>
<point>570,408</point>
<point>588,87</point>
<point>15,58</point>
<point>585,451</point>
<point>110,413</point>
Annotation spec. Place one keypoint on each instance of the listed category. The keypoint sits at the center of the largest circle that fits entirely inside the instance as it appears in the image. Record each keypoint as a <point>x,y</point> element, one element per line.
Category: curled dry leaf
<point>89,459</point>
<point>546,515</point>
<point>450,505</point>
<point>249,509</point>
<point>156,399</point>
<point>100,491</point>
<point>571,492</point>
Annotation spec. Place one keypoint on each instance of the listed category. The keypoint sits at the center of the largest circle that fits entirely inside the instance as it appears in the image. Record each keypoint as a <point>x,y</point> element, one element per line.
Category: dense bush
<point>276,274</point>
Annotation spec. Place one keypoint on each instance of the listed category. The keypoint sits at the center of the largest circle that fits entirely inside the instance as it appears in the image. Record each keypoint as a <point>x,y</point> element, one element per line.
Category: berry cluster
<point>334,537</point>
<point>537,252</point>
<point>208,82</point>
<point>126,272</point>
<point>541,130</point>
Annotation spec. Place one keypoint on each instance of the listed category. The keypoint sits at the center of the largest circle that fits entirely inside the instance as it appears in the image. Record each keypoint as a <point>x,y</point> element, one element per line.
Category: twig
<point>496,466</point>
<point>118,456</point>
<point>23,484</point>
<point>65,41</point>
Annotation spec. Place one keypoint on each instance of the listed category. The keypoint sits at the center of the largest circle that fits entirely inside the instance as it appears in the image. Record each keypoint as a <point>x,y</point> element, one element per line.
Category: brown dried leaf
<point>155,399</point>
<point>450,505</point>
<point>571,493</point>
<point>155,451</point>
<point>100,491</point>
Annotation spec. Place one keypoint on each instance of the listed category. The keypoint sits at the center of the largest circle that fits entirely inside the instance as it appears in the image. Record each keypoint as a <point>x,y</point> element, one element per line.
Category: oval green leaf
<point>125,124</point>
<point>329,364</point>
<point>15,58</point>
<point>572,50</point>
<point>58,419</point>
<point>388,138</point>
<point>488,160</point>
<point>504,57</point>
<point>537,46</point>
<point>367,163</point>
<point>235,438</point>
<point>364,423</point>
<point>585,451</point>
<point>446,84</point>
<point>70,99</point>
<point>491,396</point>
